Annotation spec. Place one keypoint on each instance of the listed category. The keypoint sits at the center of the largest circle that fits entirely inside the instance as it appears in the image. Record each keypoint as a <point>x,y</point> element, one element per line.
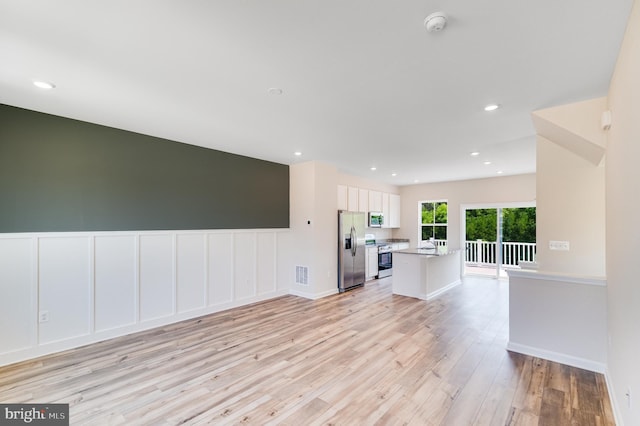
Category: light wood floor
<point>364,357</point>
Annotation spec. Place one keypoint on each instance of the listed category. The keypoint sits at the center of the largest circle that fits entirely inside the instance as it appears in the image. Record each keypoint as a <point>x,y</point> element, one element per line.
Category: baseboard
<point>615,407</point>
<point>585,364</point>
<point>36,351</point>
<point>313,296</point>
<point>442,290</point>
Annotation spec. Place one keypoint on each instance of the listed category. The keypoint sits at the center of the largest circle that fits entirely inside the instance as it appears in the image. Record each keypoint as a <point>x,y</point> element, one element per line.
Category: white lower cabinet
<point>372,262</point>
<point>399,246</point>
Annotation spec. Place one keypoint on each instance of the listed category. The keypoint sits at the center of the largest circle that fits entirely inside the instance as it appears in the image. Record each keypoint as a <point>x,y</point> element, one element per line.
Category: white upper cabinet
<point>386,223</point>
<point>363,200</point>
<point>352,199</point>
<point>375,201</point>
<point>394,210</point>
<point>342,198</point>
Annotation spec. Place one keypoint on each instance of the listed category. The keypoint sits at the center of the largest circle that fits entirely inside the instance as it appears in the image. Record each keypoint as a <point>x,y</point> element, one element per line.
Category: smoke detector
<point>435,22</point>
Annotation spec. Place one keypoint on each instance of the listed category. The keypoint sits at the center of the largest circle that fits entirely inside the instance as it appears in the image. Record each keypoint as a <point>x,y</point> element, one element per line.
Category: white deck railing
<point>483,253</point>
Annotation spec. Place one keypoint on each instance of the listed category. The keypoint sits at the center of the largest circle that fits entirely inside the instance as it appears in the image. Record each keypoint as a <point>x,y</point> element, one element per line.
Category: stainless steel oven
<point>385,261</point>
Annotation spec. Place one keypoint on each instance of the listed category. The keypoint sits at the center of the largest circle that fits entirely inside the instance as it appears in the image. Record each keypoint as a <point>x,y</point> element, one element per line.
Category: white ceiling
<point>364,83</point>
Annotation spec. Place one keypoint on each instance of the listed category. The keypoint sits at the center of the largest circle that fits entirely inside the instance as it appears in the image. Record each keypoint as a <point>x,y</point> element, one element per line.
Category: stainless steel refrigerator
<point>351,249</point>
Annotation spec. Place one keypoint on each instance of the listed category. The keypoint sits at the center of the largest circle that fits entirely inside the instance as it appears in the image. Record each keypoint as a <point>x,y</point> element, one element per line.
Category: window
<point>433,221</point>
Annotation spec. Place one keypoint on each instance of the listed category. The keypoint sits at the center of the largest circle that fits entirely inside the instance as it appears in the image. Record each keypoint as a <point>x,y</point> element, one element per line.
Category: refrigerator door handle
<point>351,237</point>
<point>353,241</point>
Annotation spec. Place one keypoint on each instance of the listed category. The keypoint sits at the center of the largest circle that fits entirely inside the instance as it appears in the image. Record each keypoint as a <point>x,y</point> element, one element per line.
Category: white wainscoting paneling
<point>100,285</point>
<point>266,262</point>
<point>115,281</point>
<point>157,290</point>
<point>221,263</point>
<point>245,265</point>
<point>191,271</point>
<point>17,293</point>
<point>64,287</point>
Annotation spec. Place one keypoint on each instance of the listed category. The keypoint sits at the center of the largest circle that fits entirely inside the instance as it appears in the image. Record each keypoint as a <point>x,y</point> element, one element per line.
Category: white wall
<point>300,247</point>
<point>98,285</point>
<point>326,229</point>
<point>506,189</point>
<point>313,241</point>
<point>570,207</point>
<point>623,233</point>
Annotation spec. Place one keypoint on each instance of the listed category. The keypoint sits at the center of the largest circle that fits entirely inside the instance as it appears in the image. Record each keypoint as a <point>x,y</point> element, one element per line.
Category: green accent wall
<point>58,174</point>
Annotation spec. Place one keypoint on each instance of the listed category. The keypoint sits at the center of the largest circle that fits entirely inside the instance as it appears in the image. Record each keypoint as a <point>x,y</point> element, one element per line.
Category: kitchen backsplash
<point>380,233</point>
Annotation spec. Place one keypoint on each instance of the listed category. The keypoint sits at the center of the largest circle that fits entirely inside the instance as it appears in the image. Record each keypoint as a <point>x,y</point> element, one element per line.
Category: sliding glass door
<point>497,238</point>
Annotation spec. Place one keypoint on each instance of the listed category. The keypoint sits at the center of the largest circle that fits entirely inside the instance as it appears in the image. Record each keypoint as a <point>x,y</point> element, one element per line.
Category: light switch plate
<point>559,245</point>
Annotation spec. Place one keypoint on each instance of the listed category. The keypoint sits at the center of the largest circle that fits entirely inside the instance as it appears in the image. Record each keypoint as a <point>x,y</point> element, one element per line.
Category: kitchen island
<point>425,273</point>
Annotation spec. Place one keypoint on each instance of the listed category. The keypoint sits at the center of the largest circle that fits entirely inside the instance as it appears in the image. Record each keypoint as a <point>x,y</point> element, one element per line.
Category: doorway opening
<point>497,238</point>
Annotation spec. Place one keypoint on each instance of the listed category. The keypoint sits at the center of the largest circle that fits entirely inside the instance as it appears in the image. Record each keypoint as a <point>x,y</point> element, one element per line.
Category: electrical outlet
<point>559,245</point>
<point>43,316</point>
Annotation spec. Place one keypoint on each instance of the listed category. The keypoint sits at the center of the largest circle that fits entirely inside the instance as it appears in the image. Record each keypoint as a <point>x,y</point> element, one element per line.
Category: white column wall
<point>559,317</point>
<point>314,230</point>
<point>623,235</point>
<point>91,286</point>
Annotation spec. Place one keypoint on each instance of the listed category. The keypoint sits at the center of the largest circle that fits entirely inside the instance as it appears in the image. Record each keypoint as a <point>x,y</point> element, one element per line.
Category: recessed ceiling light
<point>297,153</point>
<point>416,181</point>
<point>44,85</point>
<point>486,163</point>
<point>475,154</point>
<point>491,107</point>
<point>394,174</point>
<point>499,172</point>
<point>275,91</point>
<point>373,169</point>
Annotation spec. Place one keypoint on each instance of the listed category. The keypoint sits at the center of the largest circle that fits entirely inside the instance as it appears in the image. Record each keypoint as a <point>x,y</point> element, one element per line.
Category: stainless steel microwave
<point>376,219</point>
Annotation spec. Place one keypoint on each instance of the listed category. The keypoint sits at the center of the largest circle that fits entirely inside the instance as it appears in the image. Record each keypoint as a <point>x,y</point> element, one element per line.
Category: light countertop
<point>427,251</point>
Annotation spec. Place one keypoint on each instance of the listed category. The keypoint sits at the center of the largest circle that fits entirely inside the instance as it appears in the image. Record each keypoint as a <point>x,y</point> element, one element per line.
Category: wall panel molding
<point>18,306</point>
<point>64,288</point>
<point>100,285</point>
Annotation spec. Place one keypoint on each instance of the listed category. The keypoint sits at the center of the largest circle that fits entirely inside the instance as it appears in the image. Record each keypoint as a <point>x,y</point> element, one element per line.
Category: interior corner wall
<point>504,189</point>
<point>570,207</point>
<point>314,221</point>
<point>299,250</point>
<point>325,225</point>
<point>623,233</point>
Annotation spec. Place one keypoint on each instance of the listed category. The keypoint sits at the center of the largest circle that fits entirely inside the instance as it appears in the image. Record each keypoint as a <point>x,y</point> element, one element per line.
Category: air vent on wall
<point>302,275</point>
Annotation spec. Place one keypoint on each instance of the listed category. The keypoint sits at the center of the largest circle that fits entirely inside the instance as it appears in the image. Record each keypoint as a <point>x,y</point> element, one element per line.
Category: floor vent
<point>302,275</point>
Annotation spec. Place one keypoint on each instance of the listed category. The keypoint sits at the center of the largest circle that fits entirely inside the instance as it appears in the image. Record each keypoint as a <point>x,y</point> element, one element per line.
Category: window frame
<point>433,224</point>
